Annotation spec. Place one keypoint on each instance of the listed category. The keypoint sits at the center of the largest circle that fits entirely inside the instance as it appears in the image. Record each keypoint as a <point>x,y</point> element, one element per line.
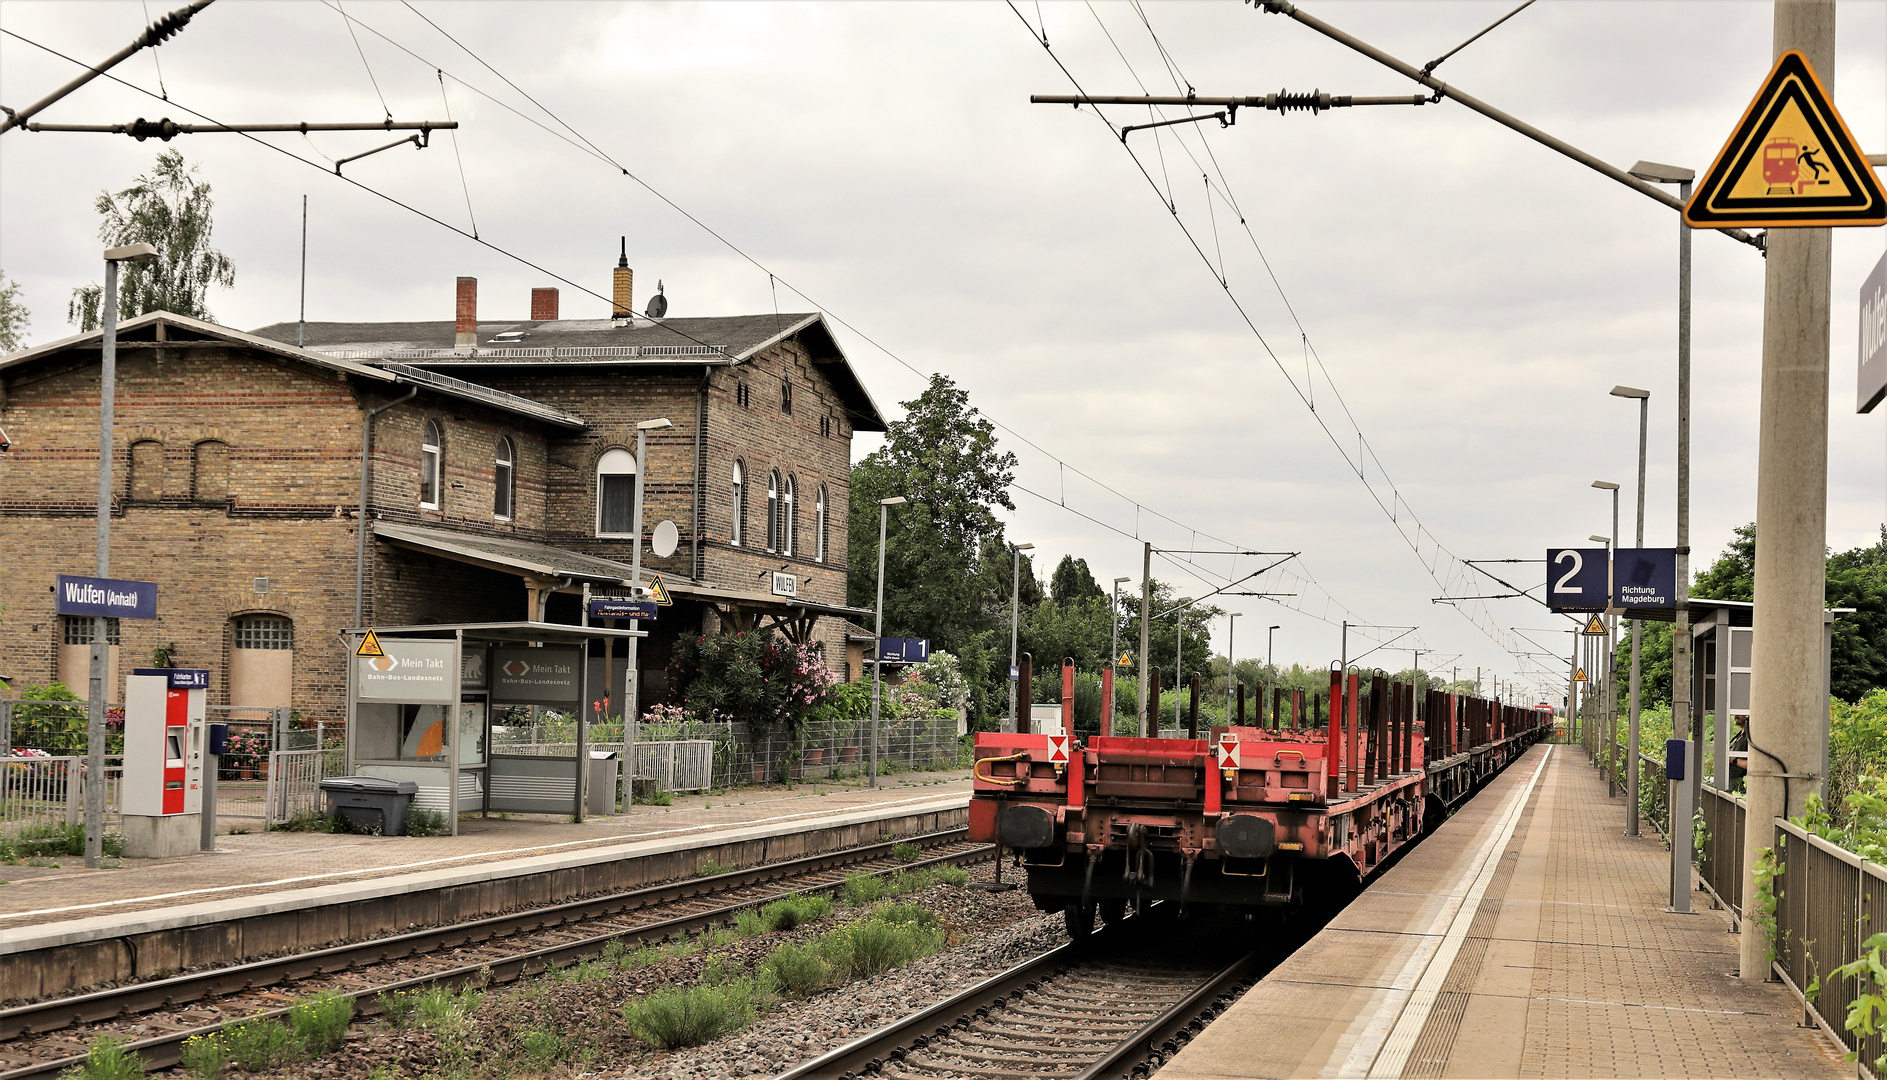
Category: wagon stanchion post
<point>1192,710</point>
<point>1107,699</point>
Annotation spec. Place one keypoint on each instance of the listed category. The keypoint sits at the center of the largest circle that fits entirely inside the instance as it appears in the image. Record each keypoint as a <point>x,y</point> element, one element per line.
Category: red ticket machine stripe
<point>176,719</point>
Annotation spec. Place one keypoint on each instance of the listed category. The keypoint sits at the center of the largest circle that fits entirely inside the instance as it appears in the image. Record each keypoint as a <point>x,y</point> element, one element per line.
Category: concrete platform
<point>278,892</point>
<point>1526,938</point>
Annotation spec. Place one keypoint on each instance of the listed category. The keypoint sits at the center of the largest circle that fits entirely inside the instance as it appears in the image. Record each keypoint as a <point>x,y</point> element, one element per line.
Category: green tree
<point>1074,581</point>
<point>1163,634</point>
<point>168,208</point>
<point>13,316</point>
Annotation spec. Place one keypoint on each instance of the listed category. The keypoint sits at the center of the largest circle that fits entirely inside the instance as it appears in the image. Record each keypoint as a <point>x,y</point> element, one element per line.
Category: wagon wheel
<point>1113,911</point>
<point>1079,920</point>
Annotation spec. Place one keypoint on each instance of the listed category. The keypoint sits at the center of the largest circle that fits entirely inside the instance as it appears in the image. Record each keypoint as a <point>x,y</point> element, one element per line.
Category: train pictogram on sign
<point>1790,162</point>
<point>370,646</point>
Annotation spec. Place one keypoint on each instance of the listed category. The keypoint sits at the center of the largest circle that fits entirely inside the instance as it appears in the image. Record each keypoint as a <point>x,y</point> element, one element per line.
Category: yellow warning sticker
<point>658,592</point>
<point>1594,627</point>
<point>369,646</point>
<point>1790,162</point>
<point>1580,675</point>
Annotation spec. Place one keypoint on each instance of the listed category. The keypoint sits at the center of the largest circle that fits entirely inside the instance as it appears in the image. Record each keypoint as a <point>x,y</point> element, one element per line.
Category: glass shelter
<point>423,702</point>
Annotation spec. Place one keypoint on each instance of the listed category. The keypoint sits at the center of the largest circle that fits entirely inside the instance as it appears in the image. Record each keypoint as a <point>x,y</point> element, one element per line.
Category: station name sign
<point>109,597</point>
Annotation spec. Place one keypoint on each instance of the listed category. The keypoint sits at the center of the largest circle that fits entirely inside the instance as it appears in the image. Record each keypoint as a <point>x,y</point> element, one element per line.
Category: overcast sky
<point>1471,296</point>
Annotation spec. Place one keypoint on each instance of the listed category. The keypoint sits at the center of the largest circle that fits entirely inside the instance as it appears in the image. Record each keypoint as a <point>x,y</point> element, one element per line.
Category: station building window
<point>430,454</point>
<point>262,661</point>
<point>504,481</point>
<point>821,508</point>
<point>773,510</point>
<point>209,471</point>
<point>786,396</point>
<point>615,493</point>
<point>740,504</point>
<point>75,653</point>
<point>789,514</point>
<point>147,469</point>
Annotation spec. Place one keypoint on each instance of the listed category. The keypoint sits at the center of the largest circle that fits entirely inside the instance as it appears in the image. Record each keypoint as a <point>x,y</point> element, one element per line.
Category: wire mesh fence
<point>41,793</point>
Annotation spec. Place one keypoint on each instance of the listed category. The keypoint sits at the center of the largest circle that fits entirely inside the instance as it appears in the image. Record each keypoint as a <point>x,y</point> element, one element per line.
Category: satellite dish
<point>658,304</point>
<point>665,539</point>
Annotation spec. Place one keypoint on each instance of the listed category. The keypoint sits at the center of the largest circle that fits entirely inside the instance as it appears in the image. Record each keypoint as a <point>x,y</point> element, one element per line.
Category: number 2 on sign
<point>1579,564</point>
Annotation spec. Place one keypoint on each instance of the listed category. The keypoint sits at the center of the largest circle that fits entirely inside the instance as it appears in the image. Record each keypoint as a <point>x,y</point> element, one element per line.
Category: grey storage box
<point>605,775</point>
<point>370,802</point>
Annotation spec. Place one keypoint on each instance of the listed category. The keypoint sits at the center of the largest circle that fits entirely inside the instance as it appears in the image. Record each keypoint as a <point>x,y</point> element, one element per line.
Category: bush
<point>871,947</point>
<point>749,924</point>
<point>397,1007</point>
<point>906,915</point>
<point>543,1048</point>
<point>320,1022</point>
<point>108,1060</point>
<point>794,910</point>
<point>442,1009</point>
<point>426,823</point>
<point>255,1045</point>
<point>204,1056</point>
<point>691,1015</point>
<point>860,890</point>
<point>906,852</point>
<point>797,970</point>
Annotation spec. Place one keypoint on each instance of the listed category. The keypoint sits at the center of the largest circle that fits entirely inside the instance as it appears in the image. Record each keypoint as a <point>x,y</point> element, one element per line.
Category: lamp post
<point>1015,616</point>
<point>100,677</point>
<point>1681,673</point>
<point>1269,632</point>
<point>878,629</point>
<point>1231,672</point>
<point>1608,697</point>
<point>632,695</point>
<point>1631,722</point>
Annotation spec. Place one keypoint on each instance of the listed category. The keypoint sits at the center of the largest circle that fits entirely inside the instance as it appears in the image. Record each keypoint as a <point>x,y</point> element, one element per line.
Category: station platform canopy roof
<point>502,631</point>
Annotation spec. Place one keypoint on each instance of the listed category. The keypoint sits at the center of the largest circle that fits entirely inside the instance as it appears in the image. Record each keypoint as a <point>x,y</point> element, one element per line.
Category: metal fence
<point>1720,863</point>
<point>294,783</point>
<point>1828,901</point>
<point>39,794</point>
<point>677,765</point>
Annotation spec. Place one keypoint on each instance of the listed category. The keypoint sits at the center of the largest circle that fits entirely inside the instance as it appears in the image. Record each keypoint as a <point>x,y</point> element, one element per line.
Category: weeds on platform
<point>427,823</point>
<point>53,841</point>
<point>108,1059</point>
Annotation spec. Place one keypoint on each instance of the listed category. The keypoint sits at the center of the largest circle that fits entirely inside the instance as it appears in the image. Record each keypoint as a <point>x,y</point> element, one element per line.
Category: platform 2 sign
<point>109,597</point>
<point>1575,579</point>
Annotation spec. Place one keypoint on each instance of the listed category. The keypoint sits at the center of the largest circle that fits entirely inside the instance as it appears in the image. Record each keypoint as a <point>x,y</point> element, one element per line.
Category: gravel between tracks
<point>994,931</point>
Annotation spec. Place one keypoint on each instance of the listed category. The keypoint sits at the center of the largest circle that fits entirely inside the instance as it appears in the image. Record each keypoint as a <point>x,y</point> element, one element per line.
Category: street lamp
<point>1113,653</point>
<point>1656,173</point>
<point>878,627</point>
<point>1231,672</point>
<point>1269,632</point>
<point>1015,615</point>
<point>1631,723</point>
<point>101,556</point>
<point>634,694</point>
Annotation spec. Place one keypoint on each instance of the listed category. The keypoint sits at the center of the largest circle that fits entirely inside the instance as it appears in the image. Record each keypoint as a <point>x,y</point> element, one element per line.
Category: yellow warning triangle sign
<point>369,646</point>
<point>1594,627</point>
<point>1790,162</point>
<point>1580,675</point>
<point>658,592</point>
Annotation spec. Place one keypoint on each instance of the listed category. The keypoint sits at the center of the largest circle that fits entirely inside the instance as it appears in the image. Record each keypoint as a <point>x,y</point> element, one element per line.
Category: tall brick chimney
<point>623,300</point>
<point>543,305</point>
<point>465,328</point>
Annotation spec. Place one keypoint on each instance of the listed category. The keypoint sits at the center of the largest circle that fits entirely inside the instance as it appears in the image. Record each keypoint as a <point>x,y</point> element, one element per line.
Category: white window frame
<point>740,503</point>
<point>615,462</point>
<point>789,513</point>
<point>820,508</point>
<point>431,465</point>
<point>504,480</point>
<point>773,511</point>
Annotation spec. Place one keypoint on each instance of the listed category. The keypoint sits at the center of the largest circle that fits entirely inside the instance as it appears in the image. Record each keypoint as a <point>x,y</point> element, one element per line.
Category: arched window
<point>503,481</point>
<point>209,471</point>
<point>429,466</point>
<point>262,661</point>
<point>615,493</point>
<point>773,510</point>
<point>740,504</point>
<point>147,469</point>
<point>789,512</point>
<point>820,508</point>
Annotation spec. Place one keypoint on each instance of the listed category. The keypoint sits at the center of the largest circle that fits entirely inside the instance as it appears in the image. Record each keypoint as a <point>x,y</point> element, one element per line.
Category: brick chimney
<point>543,305</point>
<point>623,300</point>
<point>465,328</point>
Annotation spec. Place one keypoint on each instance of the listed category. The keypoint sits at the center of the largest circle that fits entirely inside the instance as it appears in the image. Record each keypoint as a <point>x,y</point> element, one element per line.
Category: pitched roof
<point>182,330</point>
<point>721,341</point>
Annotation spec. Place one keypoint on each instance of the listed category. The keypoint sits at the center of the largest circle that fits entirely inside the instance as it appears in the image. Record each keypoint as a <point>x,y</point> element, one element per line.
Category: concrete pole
<point>632,694</point>
<point>1146,616</point>
<point>1682,678</point>
<point>1787,708</point>
<point>1611,655</point>
<point>877,638</point>
<point>100,680</point>
<point>1231,673</point>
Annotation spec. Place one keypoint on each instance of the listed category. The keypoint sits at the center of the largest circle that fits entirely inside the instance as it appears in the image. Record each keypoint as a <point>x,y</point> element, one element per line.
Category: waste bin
<point>371,802</point>
<point>604,773</point>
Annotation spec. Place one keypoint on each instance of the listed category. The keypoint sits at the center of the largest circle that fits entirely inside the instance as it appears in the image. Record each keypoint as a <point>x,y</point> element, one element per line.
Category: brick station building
<point>500,474</point>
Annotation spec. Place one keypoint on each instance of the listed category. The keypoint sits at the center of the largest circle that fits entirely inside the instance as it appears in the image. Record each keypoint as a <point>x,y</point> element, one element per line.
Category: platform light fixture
<point>634,690</point>
<point>1643,397</point>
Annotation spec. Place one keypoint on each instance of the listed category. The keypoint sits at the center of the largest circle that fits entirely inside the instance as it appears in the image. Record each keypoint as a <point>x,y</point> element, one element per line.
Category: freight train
<point>1253,817</point>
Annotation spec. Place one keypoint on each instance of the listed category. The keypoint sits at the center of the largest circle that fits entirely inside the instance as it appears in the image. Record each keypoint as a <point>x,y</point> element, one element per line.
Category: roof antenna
<point>624,260</point>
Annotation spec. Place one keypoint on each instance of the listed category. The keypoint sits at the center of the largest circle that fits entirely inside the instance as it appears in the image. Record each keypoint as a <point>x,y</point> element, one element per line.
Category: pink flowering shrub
<point>760,678</point>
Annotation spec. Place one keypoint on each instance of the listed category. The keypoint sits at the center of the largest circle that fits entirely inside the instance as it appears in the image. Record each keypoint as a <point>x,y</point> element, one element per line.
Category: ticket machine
<point>162,793</point>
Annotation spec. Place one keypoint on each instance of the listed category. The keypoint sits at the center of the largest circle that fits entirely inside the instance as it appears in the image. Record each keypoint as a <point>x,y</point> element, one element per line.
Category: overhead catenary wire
<point>1365,453</point>
<point>363,60</point>
<point>463,183</point>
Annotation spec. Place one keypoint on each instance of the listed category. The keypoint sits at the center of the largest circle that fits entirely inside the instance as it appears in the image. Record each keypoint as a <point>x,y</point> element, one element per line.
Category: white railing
<point>295,782</point>
<point>40,794</point>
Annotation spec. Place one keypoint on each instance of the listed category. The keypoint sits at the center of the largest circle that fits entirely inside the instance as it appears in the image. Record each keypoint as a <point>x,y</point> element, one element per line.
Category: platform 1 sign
<point>1791,162</point>
<point>903,650</point>
<point>109,597</point>
<point>1575,579</point>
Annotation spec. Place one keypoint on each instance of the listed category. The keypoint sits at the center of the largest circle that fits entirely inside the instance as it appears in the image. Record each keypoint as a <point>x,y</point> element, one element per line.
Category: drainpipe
<point>360,523</point>
<point>700,500</point>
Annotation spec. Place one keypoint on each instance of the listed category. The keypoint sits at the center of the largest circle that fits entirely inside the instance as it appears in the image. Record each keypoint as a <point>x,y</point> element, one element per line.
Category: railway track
<point>1115,1005</point>
<point>42,1039</point>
